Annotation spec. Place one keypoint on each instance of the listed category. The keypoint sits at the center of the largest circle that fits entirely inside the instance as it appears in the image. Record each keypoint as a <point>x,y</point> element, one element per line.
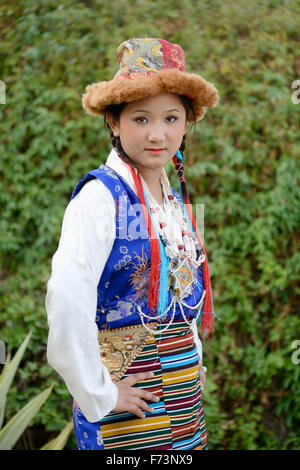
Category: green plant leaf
<point>15,427</point>
<point>59,442</point>
<point>8,374</point>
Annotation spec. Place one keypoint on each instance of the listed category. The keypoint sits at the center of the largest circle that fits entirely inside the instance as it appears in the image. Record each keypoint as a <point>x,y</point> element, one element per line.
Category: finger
<point>202,380</point>
<point>138,406</point>
<point>144,406</point>
<point>137,411</point>
<point>144,394</point>
<point>134,378</point>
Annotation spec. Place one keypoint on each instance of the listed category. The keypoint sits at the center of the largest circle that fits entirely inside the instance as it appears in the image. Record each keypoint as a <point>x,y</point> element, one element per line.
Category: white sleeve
<point>88,233</point>
<point>196,338</point>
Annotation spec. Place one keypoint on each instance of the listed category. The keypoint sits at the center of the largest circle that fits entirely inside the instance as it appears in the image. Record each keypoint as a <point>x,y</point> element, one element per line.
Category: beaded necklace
<point>184,254</point>
<point>157,289</point>
<point>188,245</point>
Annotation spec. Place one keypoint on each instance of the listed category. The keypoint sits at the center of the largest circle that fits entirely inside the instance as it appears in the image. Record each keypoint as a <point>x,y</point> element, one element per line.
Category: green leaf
<point>8,374</point>
<point>59,442</point>
<point>15,427</point>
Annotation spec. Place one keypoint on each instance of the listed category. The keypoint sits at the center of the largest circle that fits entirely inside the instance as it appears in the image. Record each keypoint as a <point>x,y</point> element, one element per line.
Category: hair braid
<point>118,146</point>
<point>180,170</point>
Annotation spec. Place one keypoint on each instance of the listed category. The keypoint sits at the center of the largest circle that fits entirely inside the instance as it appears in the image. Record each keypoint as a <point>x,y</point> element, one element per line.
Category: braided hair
<point>180,171</point>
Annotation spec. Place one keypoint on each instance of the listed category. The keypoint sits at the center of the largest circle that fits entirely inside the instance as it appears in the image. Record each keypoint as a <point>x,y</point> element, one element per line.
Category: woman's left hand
<point>202,375</point>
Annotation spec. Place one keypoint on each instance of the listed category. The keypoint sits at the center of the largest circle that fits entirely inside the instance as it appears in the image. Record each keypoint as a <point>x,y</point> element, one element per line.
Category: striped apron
<point>177,421</point>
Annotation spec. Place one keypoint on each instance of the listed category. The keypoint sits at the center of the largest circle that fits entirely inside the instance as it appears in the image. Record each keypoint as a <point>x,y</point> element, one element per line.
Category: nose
<point>156,134</point>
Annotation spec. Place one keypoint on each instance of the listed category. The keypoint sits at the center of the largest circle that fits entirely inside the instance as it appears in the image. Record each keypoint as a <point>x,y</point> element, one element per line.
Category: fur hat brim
<point>100,95</point>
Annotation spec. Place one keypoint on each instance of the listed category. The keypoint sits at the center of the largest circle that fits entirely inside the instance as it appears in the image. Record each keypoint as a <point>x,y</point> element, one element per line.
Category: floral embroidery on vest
<point>122,286</point>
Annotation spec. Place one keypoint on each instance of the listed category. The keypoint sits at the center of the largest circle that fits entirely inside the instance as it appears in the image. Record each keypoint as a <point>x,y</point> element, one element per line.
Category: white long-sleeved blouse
<point>87,237</point>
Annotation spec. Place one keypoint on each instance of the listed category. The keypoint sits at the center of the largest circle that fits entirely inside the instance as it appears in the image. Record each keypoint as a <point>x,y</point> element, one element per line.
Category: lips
<point>156,150</point>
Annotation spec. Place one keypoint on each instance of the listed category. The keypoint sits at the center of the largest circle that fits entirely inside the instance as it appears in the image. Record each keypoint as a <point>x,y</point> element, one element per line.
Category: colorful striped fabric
<point>177,421</point>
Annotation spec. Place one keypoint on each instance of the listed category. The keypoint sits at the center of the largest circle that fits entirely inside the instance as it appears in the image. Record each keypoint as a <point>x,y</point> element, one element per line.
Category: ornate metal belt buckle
<point>119,347</point>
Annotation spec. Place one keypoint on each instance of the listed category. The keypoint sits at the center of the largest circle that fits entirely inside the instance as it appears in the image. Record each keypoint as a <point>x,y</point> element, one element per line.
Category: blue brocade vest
<point>123,283</point>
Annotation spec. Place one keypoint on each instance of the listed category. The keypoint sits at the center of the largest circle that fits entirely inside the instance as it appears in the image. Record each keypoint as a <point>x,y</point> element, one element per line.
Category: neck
<point>152,179</point>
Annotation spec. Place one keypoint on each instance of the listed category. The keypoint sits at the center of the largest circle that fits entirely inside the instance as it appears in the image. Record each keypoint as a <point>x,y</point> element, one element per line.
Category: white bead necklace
<point>184,259</point>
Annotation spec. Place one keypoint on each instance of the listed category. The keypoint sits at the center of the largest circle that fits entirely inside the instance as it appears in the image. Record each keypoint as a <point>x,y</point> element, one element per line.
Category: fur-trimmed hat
<point>148,67</point>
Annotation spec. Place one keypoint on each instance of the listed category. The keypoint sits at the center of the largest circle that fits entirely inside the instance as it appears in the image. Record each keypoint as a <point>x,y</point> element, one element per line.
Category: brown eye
<point>141,119</point>
<point>172,118</point>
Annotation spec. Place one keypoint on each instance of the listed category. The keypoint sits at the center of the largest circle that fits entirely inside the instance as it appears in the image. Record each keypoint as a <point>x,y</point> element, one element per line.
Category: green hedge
<point>242,163</point>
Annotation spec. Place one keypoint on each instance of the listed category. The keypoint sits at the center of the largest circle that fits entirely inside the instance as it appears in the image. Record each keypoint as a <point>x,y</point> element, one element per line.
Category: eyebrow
<point>145,111</point>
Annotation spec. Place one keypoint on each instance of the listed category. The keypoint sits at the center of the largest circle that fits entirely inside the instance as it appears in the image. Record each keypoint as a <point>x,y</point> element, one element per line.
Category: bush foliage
<point>242,162</point>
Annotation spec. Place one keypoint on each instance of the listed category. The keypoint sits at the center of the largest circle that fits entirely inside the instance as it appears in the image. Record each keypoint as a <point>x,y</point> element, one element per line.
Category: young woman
<point>130,278</point>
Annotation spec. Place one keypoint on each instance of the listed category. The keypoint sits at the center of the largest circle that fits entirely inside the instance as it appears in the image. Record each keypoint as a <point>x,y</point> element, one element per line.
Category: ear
<point>112,124</point>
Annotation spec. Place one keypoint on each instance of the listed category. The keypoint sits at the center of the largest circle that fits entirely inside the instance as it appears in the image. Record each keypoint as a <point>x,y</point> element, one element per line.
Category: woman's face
<point>151,129</point>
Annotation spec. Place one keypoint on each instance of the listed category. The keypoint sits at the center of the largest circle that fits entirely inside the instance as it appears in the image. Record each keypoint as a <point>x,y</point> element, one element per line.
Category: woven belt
<point>120,347</point>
